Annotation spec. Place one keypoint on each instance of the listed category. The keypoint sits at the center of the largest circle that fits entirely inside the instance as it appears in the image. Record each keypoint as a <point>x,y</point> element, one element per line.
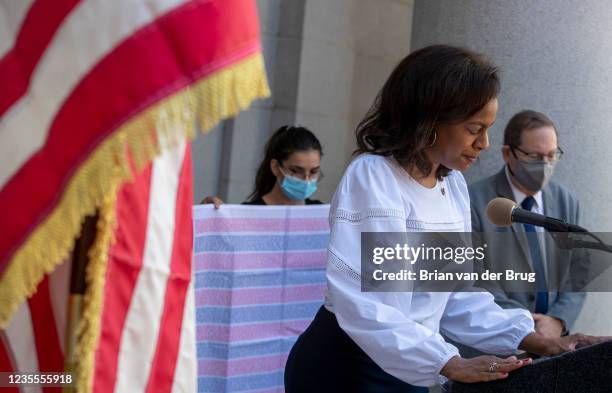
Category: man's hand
<point>481,368</point>
<point>548,326</point>
<point>549,346</point>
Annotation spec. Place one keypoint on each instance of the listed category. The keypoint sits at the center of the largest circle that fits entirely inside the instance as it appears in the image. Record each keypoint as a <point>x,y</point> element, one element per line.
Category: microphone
<point>503,212</point>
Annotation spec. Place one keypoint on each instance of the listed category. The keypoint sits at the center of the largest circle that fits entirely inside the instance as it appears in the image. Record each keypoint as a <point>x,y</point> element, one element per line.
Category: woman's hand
<point>550,346</point>
<point>481,368</point>
<point>212,199</point>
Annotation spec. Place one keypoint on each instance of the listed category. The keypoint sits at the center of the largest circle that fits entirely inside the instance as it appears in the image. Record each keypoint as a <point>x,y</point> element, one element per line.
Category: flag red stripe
<point>116,89</point>
<point>49,352</point>
<point>48,349</point>
<point>5,363</point>
<point>124,265</point>
<point>5,360</point>
<point>38,28</point>
<point>164,361</point>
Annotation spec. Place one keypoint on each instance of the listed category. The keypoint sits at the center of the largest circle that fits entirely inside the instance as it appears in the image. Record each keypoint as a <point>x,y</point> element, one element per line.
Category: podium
<point>587,370</point>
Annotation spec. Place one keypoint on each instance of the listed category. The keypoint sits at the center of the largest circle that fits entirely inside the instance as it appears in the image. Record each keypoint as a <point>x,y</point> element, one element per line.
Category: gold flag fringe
<point>95,183</point>
<point>88,330</point>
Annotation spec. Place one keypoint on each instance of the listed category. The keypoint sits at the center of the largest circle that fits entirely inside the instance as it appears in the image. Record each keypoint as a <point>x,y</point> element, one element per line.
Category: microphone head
<point>499,211</point>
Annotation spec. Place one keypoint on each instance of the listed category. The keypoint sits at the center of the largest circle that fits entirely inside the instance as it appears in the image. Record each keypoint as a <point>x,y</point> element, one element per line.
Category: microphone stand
<point>568,241</point>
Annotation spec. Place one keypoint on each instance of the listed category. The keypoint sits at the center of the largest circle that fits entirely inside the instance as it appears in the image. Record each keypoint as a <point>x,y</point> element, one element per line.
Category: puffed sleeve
<point>368,199</point>
<point>474,319</point>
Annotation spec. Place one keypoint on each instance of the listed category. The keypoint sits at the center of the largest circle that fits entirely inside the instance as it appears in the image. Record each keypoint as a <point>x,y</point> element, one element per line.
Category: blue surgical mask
<point>298,189</point>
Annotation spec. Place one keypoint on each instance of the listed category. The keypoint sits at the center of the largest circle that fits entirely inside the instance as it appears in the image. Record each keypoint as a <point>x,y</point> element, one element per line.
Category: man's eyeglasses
<point>526,156</point>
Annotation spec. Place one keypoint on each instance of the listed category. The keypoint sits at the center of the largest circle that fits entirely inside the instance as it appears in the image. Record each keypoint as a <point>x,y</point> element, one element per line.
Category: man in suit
<point>530,152</point>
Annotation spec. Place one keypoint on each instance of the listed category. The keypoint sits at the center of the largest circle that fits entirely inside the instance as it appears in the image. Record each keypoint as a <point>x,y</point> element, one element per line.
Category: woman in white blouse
<point>428,123</point>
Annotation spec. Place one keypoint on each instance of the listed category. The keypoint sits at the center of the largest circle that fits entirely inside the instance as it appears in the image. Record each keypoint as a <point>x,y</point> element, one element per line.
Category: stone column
<point>555,56</point>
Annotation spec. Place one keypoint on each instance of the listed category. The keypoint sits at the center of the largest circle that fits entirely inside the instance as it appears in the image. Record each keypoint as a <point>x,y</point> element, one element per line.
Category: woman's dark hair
<point>285,141</point>
<point>434,85</point>
<point>523,121</point>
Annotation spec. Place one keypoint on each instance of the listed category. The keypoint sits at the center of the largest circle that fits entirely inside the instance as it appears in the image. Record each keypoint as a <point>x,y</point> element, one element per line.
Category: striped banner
<point>259,279</point>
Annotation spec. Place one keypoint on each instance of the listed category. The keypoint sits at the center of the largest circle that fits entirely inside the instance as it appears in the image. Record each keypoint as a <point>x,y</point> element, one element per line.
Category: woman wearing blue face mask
<point>289,172</point>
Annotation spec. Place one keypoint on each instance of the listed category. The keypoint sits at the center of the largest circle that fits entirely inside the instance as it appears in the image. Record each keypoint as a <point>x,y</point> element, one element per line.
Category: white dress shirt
<point>400,331</point>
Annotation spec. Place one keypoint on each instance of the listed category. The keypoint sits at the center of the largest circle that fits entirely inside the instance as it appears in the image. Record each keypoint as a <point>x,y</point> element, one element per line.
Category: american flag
<point>99,99</point>
<point>259,281</point>
<point>33,341</point>
<point>147,339</point>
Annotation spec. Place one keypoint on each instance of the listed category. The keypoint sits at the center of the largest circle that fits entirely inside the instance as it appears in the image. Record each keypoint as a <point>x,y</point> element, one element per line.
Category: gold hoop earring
<point>435,136</point>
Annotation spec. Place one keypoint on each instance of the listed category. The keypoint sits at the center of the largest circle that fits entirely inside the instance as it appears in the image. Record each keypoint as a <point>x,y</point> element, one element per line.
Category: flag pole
<point>77,291</point>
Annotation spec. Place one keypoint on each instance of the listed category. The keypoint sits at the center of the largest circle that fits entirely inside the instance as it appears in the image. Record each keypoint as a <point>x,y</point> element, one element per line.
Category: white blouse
<point>400,331</point>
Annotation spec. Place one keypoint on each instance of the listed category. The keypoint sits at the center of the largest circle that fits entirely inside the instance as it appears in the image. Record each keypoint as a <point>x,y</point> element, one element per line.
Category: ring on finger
<point>493,367</point>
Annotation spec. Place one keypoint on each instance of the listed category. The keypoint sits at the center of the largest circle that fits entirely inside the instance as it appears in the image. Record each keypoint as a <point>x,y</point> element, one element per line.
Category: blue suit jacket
<point>557,203</point>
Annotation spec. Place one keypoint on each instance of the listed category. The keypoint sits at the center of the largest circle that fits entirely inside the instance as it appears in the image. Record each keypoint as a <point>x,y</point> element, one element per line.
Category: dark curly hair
<point>434,85</point>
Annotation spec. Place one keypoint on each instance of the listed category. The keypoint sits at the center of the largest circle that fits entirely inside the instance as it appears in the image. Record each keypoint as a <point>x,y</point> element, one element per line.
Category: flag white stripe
<point>12,14</point>
<point>140,333</point>
<point>59,288</point>
<point>186,371</point>
<point>20,335</point>
<point>88,33</point>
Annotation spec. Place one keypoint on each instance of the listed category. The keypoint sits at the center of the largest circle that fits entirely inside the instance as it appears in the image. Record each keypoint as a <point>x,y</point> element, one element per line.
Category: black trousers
<point>326,359</point>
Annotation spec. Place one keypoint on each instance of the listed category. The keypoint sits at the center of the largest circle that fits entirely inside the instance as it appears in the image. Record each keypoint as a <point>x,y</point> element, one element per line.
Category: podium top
<point>587,370</point>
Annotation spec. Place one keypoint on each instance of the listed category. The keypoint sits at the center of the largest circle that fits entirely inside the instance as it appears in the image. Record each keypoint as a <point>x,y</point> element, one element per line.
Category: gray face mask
<point>533,175</point>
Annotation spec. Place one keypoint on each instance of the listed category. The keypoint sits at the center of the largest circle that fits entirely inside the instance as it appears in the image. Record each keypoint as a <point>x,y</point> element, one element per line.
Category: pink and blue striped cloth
<point>259,280</point>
